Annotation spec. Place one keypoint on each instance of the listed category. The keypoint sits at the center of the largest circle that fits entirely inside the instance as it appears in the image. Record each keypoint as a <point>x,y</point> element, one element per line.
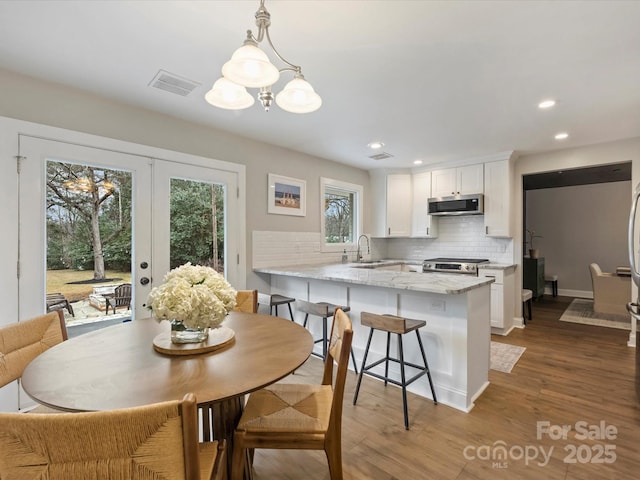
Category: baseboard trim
<point>570,293</point>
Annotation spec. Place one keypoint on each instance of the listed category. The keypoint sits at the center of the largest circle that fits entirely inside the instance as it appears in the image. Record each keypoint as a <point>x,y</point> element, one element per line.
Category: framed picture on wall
<point>287,196</point>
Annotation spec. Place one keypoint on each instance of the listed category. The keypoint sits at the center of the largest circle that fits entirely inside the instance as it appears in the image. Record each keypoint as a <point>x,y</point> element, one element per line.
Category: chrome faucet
<point>358,253</point>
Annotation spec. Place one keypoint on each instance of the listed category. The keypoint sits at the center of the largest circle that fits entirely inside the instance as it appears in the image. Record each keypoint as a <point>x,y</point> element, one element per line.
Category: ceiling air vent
<point>381,156</point>
<point>170,82</point>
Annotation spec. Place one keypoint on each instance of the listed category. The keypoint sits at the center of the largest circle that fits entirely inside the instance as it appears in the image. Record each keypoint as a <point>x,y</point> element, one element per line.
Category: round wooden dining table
<point>118,367</point>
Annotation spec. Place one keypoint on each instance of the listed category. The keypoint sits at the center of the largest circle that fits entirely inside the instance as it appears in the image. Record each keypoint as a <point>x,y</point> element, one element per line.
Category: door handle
<point>635,275</point>
<point>144,281</point>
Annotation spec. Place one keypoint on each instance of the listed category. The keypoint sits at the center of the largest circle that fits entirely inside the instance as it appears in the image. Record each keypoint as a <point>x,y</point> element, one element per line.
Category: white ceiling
<point>435,80</point>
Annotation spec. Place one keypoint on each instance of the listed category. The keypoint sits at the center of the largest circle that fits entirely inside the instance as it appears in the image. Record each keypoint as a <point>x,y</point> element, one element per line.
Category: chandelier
<point>250,67</point>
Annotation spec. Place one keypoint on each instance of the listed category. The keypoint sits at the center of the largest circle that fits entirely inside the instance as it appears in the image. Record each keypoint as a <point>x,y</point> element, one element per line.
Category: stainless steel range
<point>453,265</point>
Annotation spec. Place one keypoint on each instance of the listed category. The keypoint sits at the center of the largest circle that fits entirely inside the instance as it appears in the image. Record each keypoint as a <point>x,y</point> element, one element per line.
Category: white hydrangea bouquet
<point>195,295</point>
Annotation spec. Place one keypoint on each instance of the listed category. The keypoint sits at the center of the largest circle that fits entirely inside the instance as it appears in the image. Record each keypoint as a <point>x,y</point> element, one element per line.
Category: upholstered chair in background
<point>611,292</point>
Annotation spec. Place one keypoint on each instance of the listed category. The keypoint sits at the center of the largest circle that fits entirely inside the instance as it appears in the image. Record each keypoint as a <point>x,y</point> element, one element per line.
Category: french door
<point>126,191</point>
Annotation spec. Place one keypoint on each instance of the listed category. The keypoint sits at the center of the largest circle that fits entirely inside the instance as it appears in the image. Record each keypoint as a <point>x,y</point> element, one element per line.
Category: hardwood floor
<point>569,374</point>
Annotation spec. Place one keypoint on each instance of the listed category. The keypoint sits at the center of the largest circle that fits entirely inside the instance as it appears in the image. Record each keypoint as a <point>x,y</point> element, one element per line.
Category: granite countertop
<point>497,266</point>
<point>371,274</point>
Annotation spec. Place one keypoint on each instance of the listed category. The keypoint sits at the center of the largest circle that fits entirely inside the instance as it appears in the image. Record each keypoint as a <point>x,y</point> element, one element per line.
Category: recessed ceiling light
<point>376,145</point>
<point>547,104</point>
<point>561,136</point>
<point>417,162</point>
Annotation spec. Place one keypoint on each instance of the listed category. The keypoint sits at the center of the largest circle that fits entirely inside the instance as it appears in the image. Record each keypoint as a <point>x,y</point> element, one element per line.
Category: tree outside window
<point>342,213</point>
<point>338,212</point>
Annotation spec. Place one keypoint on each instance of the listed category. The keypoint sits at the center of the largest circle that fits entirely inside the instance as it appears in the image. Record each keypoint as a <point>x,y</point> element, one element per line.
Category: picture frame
<point>287,196</point>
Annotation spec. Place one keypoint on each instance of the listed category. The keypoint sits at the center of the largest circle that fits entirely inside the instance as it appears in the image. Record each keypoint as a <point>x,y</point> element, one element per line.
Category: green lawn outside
<point>58,281</point>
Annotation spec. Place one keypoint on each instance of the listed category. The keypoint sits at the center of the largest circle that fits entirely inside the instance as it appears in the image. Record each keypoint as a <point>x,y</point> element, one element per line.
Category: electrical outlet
<point>437,305</point>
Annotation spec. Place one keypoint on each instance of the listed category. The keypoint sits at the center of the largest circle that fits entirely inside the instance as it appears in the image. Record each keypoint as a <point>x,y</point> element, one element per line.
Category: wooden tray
<point>218,338</point>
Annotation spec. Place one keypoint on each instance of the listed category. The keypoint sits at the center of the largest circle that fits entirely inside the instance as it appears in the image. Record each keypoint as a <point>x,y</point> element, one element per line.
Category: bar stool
<point>400,326</point>
<point>324,310</point>
<point>527,296</point>
<point>552,278</point>
<point>273,300</point>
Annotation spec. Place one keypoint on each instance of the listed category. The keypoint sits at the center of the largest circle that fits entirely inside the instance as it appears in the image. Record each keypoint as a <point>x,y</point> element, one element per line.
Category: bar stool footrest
<point>423,371</point>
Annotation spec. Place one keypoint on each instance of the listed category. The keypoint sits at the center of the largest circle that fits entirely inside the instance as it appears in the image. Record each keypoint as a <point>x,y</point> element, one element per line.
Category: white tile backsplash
<point>458,237</point>
<point>272,249</point>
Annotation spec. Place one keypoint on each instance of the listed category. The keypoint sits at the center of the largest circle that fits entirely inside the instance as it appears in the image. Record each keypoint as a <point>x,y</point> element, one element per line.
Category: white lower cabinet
<point>502,296</point>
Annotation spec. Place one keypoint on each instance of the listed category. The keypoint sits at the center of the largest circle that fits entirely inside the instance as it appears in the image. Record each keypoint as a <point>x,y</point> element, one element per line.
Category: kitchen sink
<point>396,267</point>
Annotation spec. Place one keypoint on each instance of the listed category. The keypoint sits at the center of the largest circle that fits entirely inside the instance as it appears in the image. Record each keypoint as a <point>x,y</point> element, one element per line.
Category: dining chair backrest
<point>299,415</point>
<point>23,341</point>
<point>338,353</point>
<point>151,441</point>
<point>246,301</point>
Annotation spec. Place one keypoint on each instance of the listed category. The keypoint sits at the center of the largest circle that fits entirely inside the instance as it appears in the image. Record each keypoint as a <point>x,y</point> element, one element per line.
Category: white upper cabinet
<point>423,225</point>
<point>457,181</point>
<point>399,201</point>
<point>497,211</point>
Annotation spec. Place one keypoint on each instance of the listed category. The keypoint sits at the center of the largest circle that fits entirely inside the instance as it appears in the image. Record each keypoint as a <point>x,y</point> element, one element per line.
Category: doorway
<point>575,217</point>
<point>93,219</point>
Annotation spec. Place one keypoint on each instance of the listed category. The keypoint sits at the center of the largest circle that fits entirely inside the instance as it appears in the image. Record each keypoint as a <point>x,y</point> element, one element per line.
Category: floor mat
<point>504,357</point>
<point>581,311</point>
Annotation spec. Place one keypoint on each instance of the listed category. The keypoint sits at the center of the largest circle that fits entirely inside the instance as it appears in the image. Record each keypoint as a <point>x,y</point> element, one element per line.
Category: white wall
<point>580,225</point>
<point>51,104</point>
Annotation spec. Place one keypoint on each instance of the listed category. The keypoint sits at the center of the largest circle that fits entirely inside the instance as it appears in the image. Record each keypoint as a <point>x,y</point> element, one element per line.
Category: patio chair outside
<point>57,301</point>
<point>121,298</point>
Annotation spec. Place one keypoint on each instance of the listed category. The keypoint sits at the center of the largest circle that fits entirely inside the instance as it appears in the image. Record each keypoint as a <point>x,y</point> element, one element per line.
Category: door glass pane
<point>88,225</point>
<point>197,224</point>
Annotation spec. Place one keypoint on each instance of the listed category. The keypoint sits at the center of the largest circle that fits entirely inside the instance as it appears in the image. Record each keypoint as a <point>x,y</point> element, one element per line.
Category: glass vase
<point>180,333</point>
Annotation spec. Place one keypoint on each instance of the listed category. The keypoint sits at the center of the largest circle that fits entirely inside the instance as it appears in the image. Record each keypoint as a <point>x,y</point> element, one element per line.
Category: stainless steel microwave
<point>457,205</point>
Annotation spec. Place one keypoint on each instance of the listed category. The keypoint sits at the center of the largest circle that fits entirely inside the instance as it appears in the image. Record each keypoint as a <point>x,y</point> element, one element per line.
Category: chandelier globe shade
<point>228,95</point>
<point>250,67</point>
<point>298,96</point>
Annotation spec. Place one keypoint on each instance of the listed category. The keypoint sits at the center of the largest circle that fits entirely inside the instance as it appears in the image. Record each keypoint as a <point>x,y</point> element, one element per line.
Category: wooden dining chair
<point>299,416</point>
<point>151,441</point>
<point>23,341</point>
<point>246,301</point>
<point>210,415</point>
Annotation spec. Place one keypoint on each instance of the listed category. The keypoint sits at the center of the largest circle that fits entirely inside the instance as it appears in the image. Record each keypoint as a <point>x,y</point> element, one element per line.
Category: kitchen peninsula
<point>455,307</point>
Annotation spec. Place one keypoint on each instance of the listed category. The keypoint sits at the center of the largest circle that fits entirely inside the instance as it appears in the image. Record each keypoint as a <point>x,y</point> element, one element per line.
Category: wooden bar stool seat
<point>400,326</point>
<point>323,310</point>
<point>275,299</point>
